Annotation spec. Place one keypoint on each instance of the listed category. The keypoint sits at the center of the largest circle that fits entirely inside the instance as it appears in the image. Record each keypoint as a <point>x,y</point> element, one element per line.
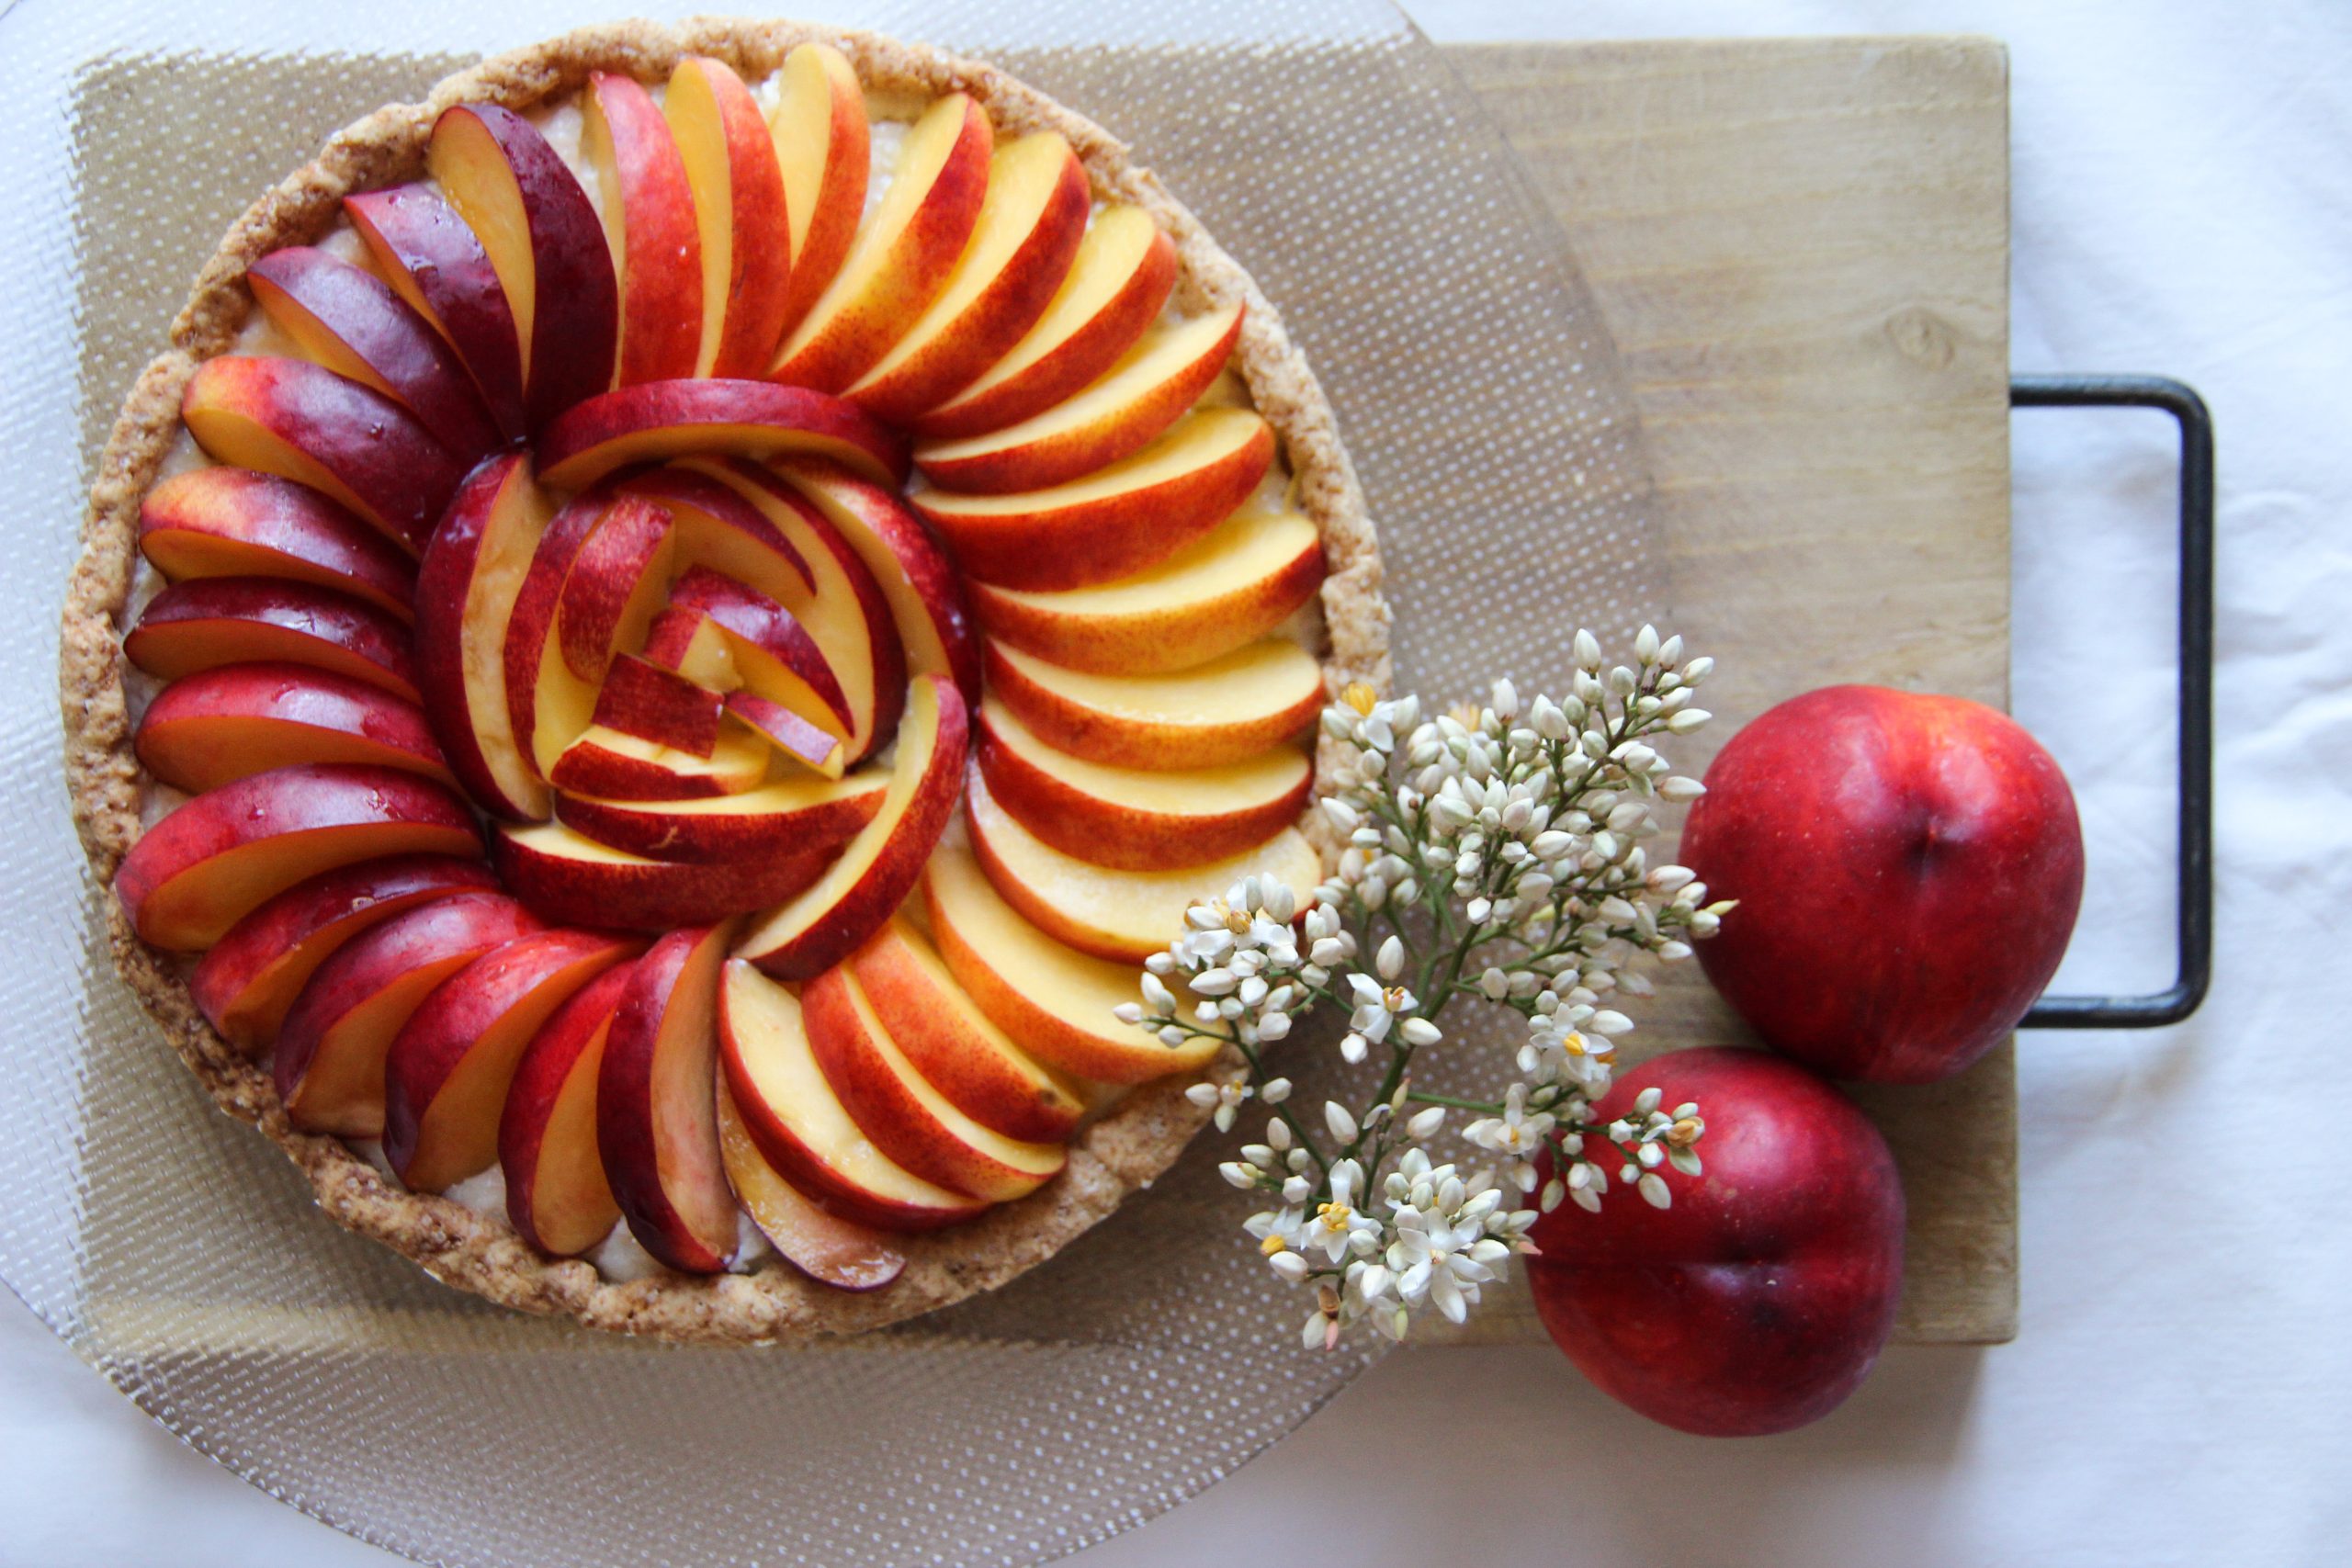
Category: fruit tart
<point>672,624</point>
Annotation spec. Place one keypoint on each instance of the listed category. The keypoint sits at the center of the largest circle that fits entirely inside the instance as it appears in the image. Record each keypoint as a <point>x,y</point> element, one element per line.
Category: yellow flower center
<point>1359,696</point>
<point>1573,1043</point>
<point>1272,1245</point>
<point>1334,1215</point>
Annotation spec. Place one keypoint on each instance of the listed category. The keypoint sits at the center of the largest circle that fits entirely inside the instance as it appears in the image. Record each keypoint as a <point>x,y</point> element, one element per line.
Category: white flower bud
<point>1274,1092</point>
<point>1550,721</point>
<point>1506,700</point>
<point>1420,1032</point>
<point>1161,999</point>
<point>1653,1188</point>
<point>1697,670</point>
<point>1679,789</point>
<point>1645,646</point>
<point>1425,1123</point>
<point>1652,1155</point>
<point>1290,1265</point>
<point>1203,1094</point>
<point>1669,652</point>
<point>1336,1117</point>
<point>1494,985</point>
<point>1390,960</point>
<point>1237,1174</point>
<point>1171,1036</point>
<point>1282,903</point>
<point>1478,909</point>
<point>1273,1025</point>
<point>1587,650</point>
<point>1352,1048</point>
<point>1688,720</point>
<point>1674,952</point>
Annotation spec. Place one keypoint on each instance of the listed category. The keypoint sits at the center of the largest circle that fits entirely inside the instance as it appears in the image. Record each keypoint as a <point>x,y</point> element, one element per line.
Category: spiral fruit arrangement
<point>592,578</point>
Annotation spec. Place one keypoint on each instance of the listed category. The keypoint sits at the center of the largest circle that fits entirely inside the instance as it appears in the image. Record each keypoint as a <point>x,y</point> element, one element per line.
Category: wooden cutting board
<point>1802,248</point>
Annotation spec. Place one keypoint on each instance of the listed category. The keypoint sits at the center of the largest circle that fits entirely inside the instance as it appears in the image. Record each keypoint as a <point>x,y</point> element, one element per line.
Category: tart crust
<point>1127,1148</point>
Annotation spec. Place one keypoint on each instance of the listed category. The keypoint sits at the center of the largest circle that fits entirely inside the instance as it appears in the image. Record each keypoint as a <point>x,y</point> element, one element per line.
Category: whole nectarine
<point>1761,1298</point>
<point>1911,866</point>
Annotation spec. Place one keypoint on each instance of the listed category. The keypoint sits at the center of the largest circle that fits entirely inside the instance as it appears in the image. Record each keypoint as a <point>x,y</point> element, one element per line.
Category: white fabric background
<point>2182,1389</point>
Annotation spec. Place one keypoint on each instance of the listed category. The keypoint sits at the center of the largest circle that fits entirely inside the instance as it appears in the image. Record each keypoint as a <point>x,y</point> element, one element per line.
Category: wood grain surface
<point>1802,248</point>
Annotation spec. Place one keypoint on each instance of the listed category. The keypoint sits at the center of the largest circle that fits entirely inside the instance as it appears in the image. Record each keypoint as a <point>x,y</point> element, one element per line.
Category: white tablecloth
<point>2182,1388</point>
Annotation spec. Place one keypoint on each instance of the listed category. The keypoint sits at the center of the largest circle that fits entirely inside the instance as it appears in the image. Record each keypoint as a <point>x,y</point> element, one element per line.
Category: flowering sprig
<point>1495,854</point>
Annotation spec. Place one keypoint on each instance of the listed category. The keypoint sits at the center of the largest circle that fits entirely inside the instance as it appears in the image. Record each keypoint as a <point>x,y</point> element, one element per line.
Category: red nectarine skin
<point>532,623</point>
<point>222,521</point>
<point>362,438</point>
<point>653,897</point>
<point>426,251</point>
<point>556,1193</point>
<point>221,725</point>
<point>403,351</point>
<point>212,621</point>
<point>660,419</point>
<point>310,799</point>
<point>1910,867</point>
<point>1761,1299</point>
<point>249,976</point>
<point>661,251</point>
<point>657,1111</point>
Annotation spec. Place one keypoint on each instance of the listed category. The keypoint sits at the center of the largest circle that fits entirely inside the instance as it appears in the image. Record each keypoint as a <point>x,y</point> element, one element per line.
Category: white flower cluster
<point>1508,845</point>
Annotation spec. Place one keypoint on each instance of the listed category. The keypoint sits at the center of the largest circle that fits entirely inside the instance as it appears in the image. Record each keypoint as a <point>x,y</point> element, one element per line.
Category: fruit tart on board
<point>673,624</point>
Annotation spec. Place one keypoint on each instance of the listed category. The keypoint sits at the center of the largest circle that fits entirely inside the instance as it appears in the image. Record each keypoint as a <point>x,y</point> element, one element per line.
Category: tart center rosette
<point>567,488</point>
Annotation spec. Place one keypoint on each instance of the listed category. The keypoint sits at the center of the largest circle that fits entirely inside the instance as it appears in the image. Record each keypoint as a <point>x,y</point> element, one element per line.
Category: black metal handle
<point>2196,828</point>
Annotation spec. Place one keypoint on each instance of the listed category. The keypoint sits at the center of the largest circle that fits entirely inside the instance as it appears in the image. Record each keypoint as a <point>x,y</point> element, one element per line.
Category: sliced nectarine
<point>1116,520</point>
<point>350,321</point>
<point>1117,284</point>
<point>791,816</point>
<point>828,1249</point>
<point>214,860</point>
<point>1119,414</point>
<point>248,978</point>
<point>752,419</point>
<point>212,621</point>
<point>1115,914</point>
<point>740,208</point>
<point>819,927</point>
<point>1225,590</point>
<point>649,214</point>
<point>567,876</point>
<point>447,1071</point>
<point>223,521</point>
<point>796,1121</point>
<point>557,1196</point>
<point>823,146</point>
<point>1220,712</point>
<point>1052,1001</point>
<point>304,423</point>
<point>329,1062</point>
<point>1028,231</point>
<point>657,1110</point>
<point>224,723</point>
<point>628,767</point>
<point>437,264</point>
<point>904,253</point>
<point>1135,818</point>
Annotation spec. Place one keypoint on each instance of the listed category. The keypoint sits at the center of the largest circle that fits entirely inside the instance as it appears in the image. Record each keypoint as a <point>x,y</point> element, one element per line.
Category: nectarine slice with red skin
<point>823,146</point>
<point>304,423</point>
<point>828,1249</point>
<point>819,750</point>
<point>447,1071</point>
<point>1052,1001</point>
<point>548,706</point>
<point>543,239</point>
<point>727,535</point>
<point>641,698</point>
<point>769,651</point>
<point>845,611</point>
<point>466,589</point>
<point>901,1112</point>
<point>349,320</point>
<point>1118,286</point>
<point>1223,711</point>
<point>627,767</point>
<point>615,587</point>
<point>658,420</point>
<point>949,1041</point>
<point>224,723</point>
<point>210,621</point>
<point>795,1120</point>
<point>556,1197</point>
<point>1114,522</point>
<point>434,262</point>
<point>568,877</point>
<point>222,521</point>
<point>329,1062</point>
<point>1028,232</point>
<point>790,816</point>
<point>1135,818</point>
<point>213,861</point>
<point>692,644</point>
<point>914,574</point>
<point>657,1110</point>
<point>245,981</point>
<point>904,253</point>
<point>648,213</point>
<point>823,924</point>
<point>739,203</point>
<point>1111,913</point>
<point>1224,591</point>
<point>1113,417</point>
